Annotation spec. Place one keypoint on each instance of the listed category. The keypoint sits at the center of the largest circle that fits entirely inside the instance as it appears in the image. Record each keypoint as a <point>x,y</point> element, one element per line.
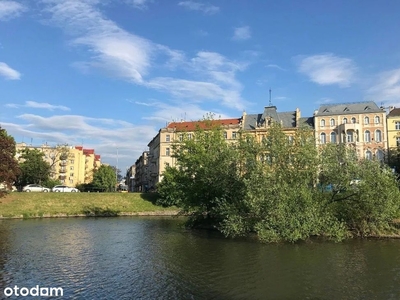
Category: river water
<point>155,258</point>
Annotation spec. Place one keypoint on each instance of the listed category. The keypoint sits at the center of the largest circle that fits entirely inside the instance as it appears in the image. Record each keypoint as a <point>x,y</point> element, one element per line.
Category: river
<point>155,258</point>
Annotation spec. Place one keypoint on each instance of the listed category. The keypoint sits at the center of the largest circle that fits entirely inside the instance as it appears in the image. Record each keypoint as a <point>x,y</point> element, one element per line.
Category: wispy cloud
<point>178,112</point>
<point>328,69</point>
<point>140,4</point>
<point>272,66</point>
<point>41,105</point>
<point>387,88</point>
<point>241,33</point>
<point>206,8</point>
<point>10,9</point>
<point>324,101</point>
<point>209,76</point>
<point>104,135</point>
<point>8,73</point>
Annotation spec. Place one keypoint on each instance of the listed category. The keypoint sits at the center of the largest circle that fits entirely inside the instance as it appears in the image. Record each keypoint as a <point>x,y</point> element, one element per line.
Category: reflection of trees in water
<point>4,251</point>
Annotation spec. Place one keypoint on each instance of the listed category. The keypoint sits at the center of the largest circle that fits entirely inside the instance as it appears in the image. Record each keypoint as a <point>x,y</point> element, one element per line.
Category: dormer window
<point>326,110</point>
<point>367,108</point>
<point>346,109</point>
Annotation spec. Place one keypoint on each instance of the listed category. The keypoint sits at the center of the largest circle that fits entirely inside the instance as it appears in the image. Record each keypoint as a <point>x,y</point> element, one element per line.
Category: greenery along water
<point>154,258</point>
<point>280,189</point>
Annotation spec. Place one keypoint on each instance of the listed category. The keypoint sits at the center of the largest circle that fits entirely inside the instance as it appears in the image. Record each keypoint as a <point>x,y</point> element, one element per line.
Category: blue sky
<point>109,74</point>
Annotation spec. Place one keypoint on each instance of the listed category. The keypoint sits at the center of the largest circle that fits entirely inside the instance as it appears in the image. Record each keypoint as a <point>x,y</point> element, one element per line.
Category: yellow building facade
<point>393,128</point>
<point>71,165</point>
<point>160,147</point>
<point>361,125</point>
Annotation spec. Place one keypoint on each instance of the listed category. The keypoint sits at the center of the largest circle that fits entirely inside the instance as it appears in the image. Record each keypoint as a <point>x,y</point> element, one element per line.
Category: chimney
<point>391,108</point>
<point>298,116</point>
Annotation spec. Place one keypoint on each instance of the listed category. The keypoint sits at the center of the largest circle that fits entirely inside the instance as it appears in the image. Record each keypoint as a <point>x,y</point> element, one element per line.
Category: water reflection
<point>147,258</point>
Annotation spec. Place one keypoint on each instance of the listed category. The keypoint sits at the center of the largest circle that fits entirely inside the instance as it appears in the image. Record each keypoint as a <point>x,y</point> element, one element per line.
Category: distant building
<point>71,165</point>
<point>160,147</point>
<point>361,125</point>
<point>142,173</point>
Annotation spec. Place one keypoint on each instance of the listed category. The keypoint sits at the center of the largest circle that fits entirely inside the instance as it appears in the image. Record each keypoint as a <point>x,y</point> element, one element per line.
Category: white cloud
<point>327,69</point>
<point>209,75</point>
<point>10,9</point>
<point>41,105</point>
<point>178,112</point>
<point>140,4</point>
<point>206,8</point>
<point>387,88</point>
<point>8,72</point>
<point>275,67</point>
<point>241,33</point>
<point>103,135</point>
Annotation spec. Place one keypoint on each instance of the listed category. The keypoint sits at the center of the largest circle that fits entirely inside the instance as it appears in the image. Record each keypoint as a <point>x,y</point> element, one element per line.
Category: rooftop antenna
<point>270,102</point>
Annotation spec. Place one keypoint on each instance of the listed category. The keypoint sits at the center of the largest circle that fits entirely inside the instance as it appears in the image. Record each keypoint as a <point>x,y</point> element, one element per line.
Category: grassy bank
<point>31,205</point>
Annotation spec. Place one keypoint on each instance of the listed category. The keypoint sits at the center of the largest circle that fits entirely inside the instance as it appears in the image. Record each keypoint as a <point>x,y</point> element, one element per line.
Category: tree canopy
<point>34,169</point>
<point>104,178</point>
<point>279,188</point>
<point>9,168</point>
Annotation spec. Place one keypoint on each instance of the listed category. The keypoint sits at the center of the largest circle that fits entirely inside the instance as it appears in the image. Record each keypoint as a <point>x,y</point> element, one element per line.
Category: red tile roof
<point>88,151</point>
<point>190,126</point>
<point>79,147</point>
<point>97,157</point>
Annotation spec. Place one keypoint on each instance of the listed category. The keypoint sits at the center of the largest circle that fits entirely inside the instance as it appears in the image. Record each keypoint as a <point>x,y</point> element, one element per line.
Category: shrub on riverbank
<point>278,188</point>
<point>69,204</point>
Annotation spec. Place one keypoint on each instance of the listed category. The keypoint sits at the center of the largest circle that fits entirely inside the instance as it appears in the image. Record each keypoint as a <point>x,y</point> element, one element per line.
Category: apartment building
<point>393,128</point>
<point>160,147</point>
<point>71,165</point>
<point>258,124</point>
<point>142,176</point>
<point>361,125</point>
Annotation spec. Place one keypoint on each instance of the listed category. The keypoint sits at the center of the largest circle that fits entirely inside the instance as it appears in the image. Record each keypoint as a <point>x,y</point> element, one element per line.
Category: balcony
<point>62,170</point>
<point>349,126</point>
<point>62,177</point>
<point>63,163</point>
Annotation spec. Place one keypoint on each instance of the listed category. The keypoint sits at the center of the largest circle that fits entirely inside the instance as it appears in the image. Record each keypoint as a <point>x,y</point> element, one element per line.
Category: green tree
<point>277,188</point>
<point>104,178</point>
<point>34,169</point>
<point>9,168</point>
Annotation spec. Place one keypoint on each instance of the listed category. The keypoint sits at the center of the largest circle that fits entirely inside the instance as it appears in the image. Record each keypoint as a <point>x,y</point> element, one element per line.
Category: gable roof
<point>395,112</point>
<point>348,108</point>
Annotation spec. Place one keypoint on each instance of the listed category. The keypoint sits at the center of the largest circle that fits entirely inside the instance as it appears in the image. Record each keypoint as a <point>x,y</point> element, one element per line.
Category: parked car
<point>64,188</point>
<point>35,188</point>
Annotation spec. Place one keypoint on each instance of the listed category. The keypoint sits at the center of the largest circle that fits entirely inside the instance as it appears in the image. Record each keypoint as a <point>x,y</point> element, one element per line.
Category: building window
<point>366,120</point>
<point>378,136</point>
<point>332,122</point>
<point>349,136</point>
<point>167,151</point>
<point>225,135</point>
<point>398,141</point>
<point>322,123</point>
<point>290,139</point>
<point>344,120</point>
<point>379,155</point>
<point>71,181</point>
<point>333,137</point>
<point>166,164</point>
<point>353,120</point>
<point>367,136</point>
<point>377,120</point>
<point>71,168</point>
<point>189,136</point>
<point>71,161</point>
<point>180,137</point>
<point>234,135</point>
<point>368,155</point>
<point>71,174</point>
<point>323,138</point>
<point>167,138</point>
<point>397,125</point>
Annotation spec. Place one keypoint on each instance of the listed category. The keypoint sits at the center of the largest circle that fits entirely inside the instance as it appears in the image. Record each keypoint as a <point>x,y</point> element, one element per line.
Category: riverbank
<point>56,205</point>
